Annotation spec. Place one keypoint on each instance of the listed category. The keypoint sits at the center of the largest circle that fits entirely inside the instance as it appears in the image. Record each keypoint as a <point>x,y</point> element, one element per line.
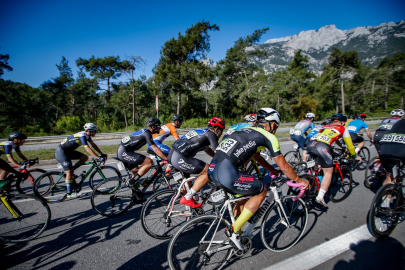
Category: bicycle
<point>113,197</point>
<point>162,214</point>
<point>388,204</point>
<point>202,242</point>
<point>56,190</point>
<point>253,166</point>
<point>341,184</point>
<point>23,217</point>
<point>294,156</point>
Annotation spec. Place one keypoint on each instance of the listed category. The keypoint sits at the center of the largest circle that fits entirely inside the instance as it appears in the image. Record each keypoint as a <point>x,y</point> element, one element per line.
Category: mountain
<point>371,42</point>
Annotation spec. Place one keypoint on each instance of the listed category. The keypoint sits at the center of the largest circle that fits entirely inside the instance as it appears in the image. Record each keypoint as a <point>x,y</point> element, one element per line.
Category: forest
<point>108,91</point>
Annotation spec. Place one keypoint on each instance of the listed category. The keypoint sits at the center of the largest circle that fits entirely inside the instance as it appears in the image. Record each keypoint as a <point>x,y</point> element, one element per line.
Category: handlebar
<point>291,184</point>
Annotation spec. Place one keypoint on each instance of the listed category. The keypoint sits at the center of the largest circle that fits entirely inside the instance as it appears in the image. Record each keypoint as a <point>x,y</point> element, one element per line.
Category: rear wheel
<point>341,184</point>
<point>292,157</point>
<point>51,186</point>
<point>104,173</point>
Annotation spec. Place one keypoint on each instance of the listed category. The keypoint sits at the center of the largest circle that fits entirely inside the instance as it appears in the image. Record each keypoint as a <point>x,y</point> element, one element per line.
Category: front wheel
<point>282,227</point>
<point>341,184</point>
<point>364,153</point>
<point>101,174</point>
<point>51,186</point>
<point>384,213</point>
<point>292,157</point>
<point>200,243</point>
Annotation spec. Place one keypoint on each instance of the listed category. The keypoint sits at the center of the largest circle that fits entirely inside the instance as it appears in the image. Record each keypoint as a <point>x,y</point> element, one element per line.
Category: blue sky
<point>36,34</point>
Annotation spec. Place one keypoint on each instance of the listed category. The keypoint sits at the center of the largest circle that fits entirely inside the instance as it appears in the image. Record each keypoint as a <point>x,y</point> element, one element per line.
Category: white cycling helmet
<point>310,115</point>
<point>269,115</point>
<point>250,117</point>
<point>90,126</point>
<point>398,112</point>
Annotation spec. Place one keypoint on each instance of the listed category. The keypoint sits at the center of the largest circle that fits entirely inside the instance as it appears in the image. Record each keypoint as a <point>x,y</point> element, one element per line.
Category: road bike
<point>54,190</point>
<point>388,205</point>
<point>23,217</point>
<point>113,197</point>
<point>202,242</point>
<point>294,156</point>
<point>254,167</point>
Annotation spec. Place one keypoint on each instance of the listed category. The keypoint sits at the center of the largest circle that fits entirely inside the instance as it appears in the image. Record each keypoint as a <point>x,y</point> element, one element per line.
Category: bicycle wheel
<point>51,186</point>
<point>341,184</point>
<point>364,153</point>
<point>280,231</point>
<point>154,215</point>
<point>111,198</point>
<point>384,213</point>
<point>33,218</point>
<point>301,168</point>
<point>189,246</point>
<point>104,173</point>
<point>373,176</point>
<point>292,157</point>
<point>25,185</point>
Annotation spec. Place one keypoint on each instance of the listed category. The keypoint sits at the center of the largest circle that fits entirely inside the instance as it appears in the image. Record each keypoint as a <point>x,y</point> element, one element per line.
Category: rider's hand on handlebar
<point>101,159</point>
<point>358,158</point>
<point>303,182</point>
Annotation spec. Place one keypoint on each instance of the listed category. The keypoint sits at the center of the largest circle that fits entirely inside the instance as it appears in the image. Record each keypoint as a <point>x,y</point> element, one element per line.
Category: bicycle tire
<point>339,188</point>
<point>154,212</point>
<point>108,172</point>
<point>24,186</point>
<point>112,198</point>
<point>380,221</point>
<point>372,178</point>
<point>253,169</point>
<point>185,251</point>
<point>36,216</point>
<point>364,153</point>
<point>275,235</point>
<point>292,157</point>
<point>51,193</point>
<point>301,168</point>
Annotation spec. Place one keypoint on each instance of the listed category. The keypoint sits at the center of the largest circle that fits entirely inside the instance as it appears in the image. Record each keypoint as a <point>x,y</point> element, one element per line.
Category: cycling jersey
<point>356,125</point>
<point>314,131</point>
<point>166,131</point>
<point>348,121</point>
<point>194,141</point>
<point>136,140</point>
<point>74,141</point>
<point>384,128</point>
<point>7,148</point>
<point>235,127</point>
<point>393,145</point>
<point>301,127</point>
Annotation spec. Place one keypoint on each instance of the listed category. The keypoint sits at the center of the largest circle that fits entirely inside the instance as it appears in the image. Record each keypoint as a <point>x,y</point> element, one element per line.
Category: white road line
<point>324,252</point>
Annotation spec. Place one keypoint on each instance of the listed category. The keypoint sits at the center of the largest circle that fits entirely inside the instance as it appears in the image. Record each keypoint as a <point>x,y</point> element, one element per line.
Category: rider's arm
<point>96,148</point>
<point>173,131</point>
<point>158,151</point>
<point>209,151</point>
<point>288,171</point>
<point>264,163</point>
<point>369,135</point>
<point>12,160</point>
<point>348,141</point>
<point>21,156</point>
<point>90,151</point>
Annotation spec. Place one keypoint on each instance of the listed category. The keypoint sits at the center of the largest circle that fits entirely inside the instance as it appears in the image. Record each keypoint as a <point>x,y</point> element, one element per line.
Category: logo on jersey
<point>387,127</point>
<point>244,148</point>
<point>125,139</point>
<point>226,145</point>
<point>244,178</point>
<point>128,157</point>
<point>240,186</point>
<point>185,166</point>
<point>212,167</point>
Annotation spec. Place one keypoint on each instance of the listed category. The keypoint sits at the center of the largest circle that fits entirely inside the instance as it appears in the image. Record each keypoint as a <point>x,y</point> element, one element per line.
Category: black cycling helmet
<point>352,116</point>
<point>177,117</point>
<point>17,135</point>
<point>339,117</point>
<point>153,122</point>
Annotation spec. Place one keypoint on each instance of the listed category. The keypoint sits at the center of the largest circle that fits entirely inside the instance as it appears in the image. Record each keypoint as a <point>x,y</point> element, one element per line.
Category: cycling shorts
<point>227,176</point>
<point>307,141</point>
<point>164,148</point>
<point>131,158</point>
<point>356,138</point>
<point>377,137</point>
<point>6,167</point>
<point>323,153</point>
<point>300,140</point>
<point>185,164</point>
<point>65,156</point>
<point>391,150</point>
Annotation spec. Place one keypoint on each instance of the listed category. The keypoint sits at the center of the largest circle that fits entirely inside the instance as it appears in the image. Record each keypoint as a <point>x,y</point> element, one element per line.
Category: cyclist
<point>166,131</point>
<point>386,126</point>
<point>67,151</point>
<point>15,140</point>
<point>321,147</point>
<point>315,130</point>
<point>350,118</point>
<point>297,133</point>
<point>354,127</point>
<point>250,120</point>
<point>182,155</point>
<point>234,151</point>
<point>135,141</point>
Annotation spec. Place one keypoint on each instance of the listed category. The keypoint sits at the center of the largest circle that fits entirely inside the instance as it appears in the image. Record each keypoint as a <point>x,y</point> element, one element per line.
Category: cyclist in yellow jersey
<point>349,119</point>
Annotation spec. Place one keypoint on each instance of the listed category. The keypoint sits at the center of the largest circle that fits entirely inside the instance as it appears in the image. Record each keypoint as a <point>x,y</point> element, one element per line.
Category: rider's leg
<point>82,161</point>
<point>69,181</point>
<point>146,166</point>
<point>199,183</point>
<point>304,155</point>
<point>359,146</point>
<point>326,180</point>
<point>3,174</point>
<point>238,208</point>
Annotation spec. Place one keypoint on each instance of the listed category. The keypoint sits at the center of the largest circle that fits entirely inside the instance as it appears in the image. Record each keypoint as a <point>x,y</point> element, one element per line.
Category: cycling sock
<point>357,150</point>
<point>69,186</point>
<point>321,194</point>
<point>242,219</point>
<point>190,194</point>
<point>134,179</point>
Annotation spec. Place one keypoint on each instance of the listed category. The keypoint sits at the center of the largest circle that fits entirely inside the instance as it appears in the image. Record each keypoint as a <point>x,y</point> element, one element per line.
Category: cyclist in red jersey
<point>321,147</point>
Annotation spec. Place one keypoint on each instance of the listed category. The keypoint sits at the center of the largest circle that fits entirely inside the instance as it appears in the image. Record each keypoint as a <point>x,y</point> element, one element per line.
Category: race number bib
<point>352,128</point>
<point>227,145</point>
<point>321,137</point>
<point>296,132</point>
<point>125,139</point>
<point>191,134</point>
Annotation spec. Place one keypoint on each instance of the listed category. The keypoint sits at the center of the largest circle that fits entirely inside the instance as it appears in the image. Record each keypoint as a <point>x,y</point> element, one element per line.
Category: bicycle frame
<point>94,165</point>
<point>11,207</point>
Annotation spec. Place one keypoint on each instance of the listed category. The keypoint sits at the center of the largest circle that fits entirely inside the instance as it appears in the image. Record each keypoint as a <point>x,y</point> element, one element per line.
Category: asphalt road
<point>78,238</point>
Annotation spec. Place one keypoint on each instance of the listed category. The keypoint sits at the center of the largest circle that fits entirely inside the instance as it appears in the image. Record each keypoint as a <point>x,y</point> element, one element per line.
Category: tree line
<point>107,92</point>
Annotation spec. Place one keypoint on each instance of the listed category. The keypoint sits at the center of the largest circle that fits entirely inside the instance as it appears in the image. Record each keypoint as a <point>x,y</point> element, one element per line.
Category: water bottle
<point>320,179</point>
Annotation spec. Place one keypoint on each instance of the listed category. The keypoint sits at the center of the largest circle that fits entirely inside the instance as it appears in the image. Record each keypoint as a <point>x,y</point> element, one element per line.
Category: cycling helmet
<point>17,135</point>
<point>339,117</point>
<point>361,115</point>
<point>352,116</point>
<point>177,117</point>
<point>216,122</point>
<point>250,117</point>
<point>398,112</point>
<point>90,126</point>
<point>268,115</point>
<point>153,122</point>
<point>310,115</point>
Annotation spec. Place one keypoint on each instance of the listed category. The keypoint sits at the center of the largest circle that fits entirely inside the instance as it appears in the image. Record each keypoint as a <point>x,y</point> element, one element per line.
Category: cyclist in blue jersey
<point>15,140</point>
<point>354,127</point>
<point>250,120</point>
<point>297,133</point>
<point>315,130</point>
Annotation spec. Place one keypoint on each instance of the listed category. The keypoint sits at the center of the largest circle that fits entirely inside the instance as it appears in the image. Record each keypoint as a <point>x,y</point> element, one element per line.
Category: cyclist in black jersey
<point>15,140</point>
<point>234,151</point>
<point>134,142</point>
<point>183,151</point>
<point>67,151</point>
